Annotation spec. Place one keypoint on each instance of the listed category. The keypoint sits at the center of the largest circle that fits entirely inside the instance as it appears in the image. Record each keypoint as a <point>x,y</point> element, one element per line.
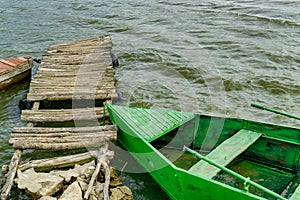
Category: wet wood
<point>68,73</point>
<point>12,72</point>
<point>58,162</point>
<point>96,142</point>
<point>56,97</point>
<point>102,64</point>
<point>13,166</point>
<point>78,130</point>
<point>225,153</point>
<point>63,115</point>
<point>77,70</point>
<point>103,40</point>
<point>61,139</point>
<point>103,157</point>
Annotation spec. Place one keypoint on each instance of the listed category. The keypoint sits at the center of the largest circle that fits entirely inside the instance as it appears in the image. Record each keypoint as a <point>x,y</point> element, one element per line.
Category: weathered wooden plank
<point>89,58</point>
<point>46,130</point>
<point>64,139</point>
<point>76,91</point>
<point>225,153</point>
<point>79,80</point>
<point>50,115</point>
<point>103,63</point>
<point>78,50</point>
<point>82,70</point>
<point>100,85</point>
<point>58,162</point>
<point>102,40</point>
<point>78,46</point>
<point>90,91</point>
<point>59,146</point>
<point>61,136</point>
<point>72,87</point>
<point>72,79</point>
<point>68,96</point>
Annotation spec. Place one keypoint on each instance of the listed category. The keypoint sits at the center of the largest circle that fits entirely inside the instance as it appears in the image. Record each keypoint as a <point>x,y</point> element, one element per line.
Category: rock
<point>115,182</point>
<point>48,198</point>
<point>5,169</point>
<point>85,170</point>
<point>73,192</point>
<point>121,193</point>
<point>113,173</point>
<point>39,184</point>
<point>93,197</point>
<point>99,187</point>
<point>82,183</point>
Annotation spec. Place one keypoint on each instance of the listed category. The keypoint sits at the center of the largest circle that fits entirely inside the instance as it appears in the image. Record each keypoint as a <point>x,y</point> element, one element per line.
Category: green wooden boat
<point>195,156</point>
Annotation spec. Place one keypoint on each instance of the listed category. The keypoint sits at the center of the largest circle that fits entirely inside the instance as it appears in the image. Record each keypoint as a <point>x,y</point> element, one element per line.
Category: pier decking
<point>79,73</point>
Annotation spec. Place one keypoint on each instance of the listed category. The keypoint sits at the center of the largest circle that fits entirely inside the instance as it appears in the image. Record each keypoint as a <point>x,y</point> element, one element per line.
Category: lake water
<point>214,57</point>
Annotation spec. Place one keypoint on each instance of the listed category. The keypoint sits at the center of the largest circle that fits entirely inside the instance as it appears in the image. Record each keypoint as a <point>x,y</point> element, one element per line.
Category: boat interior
<point>267,154</point>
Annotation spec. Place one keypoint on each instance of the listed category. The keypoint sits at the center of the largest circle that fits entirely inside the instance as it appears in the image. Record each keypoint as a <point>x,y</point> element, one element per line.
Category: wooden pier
<point>76,77</point>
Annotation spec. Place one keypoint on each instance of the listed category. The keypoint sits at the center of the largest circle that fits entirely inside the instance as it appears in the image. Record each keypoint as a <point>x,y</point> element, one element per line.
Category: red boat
<point>13,70</point>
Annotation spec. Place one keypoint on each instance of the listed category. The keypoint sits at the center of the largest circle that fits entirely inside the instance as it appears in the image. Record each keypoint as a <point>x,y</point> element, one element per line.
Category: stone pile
<point>70,184</point>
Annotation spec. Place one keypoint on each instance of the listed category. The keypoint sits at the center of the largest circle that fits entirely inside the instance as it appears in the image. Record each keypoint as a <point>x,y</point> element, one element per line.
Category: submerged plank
<point>225,153</point>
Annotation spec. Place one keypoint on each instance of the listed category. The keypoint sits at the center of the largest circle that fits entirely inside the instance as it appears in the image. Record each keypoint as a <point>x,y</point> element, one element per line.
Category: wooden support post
<point>13,166</point>
<point>103,157</point>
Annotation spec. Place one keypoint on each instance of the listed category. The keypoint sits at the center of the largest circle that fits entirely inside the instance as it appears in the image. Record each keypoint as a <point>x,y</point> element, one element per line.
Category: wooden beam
<point>58,162</point>
<point>78,130</point>
<point>63,115</point>
<point>96,142</point>
<point>13,166</point>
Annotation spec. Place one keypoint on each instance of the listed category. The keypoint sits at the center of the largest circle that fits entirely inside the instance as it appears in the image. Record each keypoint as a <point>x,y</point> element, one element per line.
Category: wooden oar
<point>275,111</point>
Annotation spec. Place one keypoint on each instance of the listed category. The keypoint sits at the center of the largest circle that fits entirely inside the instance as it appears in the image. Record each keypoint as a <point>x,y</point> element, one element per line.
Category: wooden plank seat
<point>296,194</point>
<point>225,153</point>
<point>59,138</point>
<point>63,115</point>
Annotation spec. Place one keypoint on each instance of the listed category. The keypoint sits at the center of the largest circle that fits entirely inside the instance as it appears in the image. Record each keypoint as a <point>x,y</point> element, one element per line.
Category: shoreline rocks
<point>70,184</point>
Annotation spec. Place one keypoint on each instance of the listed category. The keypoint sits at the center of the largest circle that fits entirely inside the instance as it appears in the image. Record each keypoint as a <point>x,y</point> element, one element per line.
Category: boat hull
<point>177,183</point>
<point>14,70</point>
<point>265,153</point>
